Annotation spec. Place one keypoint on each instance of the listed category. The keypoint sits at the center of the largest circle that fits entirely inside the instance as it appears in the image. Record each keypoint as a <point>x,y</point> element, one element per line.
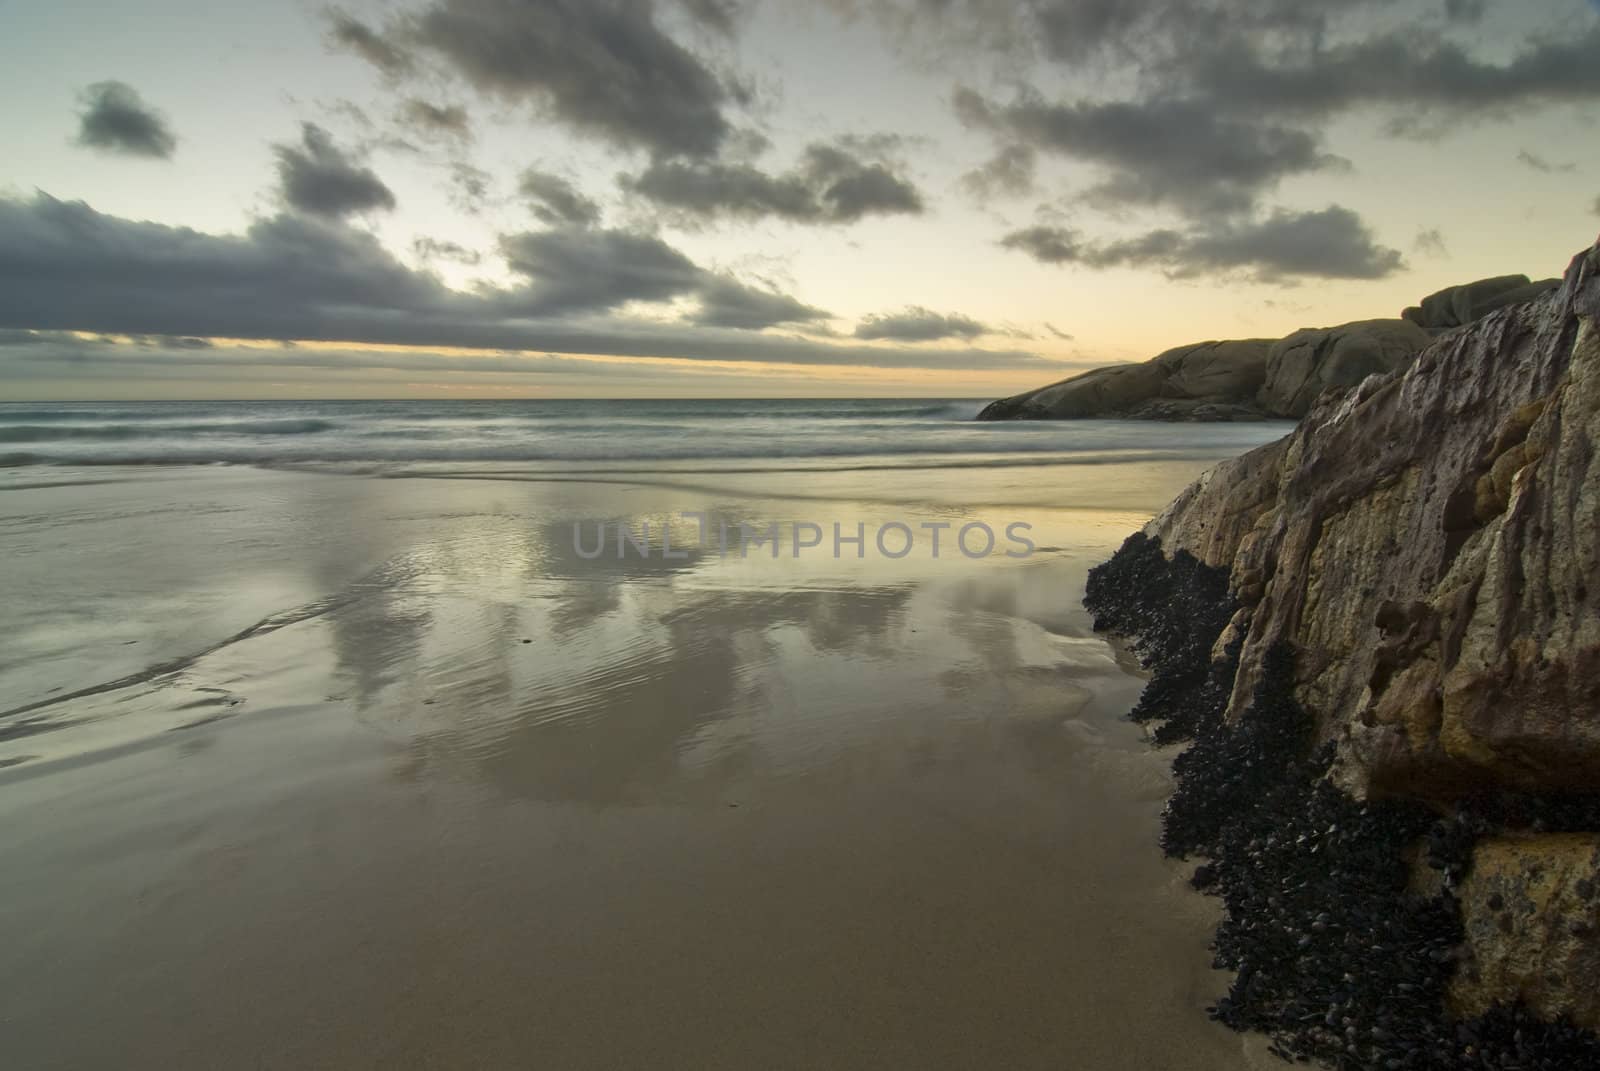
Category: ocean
<point>751,435</point>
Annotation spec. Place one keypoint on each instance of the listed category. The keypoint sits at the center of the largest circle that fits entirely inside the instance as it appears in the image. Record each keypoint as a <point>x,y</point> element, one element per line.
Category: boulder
<point>1457,306</point>
<point>1309,362</point>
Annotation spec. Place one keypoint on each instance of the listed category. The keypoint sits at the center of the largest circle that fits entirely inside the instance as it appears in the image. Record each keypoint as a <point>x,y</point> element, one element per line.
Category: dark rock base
<point>1339,957</point>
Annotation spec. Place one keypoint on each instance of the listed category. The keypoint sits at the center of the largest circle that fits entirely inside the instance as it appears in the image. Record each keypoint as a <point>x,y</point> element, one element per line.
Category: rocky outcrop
<point>1457,306</point>
<point>1410,585</point>
<point>1258,379</point>
<point>1309,362</point>
<point>1207,381</point>
<point>1429,546</point>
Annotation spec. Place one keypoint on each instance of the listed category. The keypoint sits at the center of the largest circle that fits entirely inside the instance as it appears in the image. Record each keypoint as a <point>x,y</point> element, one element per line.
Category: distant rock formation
<point>1258,379</point>
<point>1383,634</point>
<point>1457,306</point>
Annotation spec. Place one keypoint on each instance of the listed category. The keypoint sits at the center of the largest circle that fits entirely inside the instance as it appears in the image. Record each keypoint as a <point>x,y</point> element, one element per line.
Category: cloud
<point>440,249</point>
<point>316,176</point>
<point>1540,164</point>
<point>66,267</point>
<point>436,120</point>
<point>554,200</point>
<point>917,324</point>
<point>116,119</point>
<point>1280,248</point>
<point>1058,333</point>
<point>1171,152</point>
<point>1431,243</point>
<point>1009,174</point>
<point>603,67</point>
<point>833,183</point>
<point>719,15</point>
<point>725,302</point>
<point>376,49</point>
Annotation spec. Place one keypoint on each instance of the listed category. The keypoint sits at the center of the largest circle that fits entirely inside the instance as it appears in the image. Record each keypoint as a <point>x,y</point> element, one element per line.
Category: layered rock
<point>1429,546</point>
<point>1413,579</point>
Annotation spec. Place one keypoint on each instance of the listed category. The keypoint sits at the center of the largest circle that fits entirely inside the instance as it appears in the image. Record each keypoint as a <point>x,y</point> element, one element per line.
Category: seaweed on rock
<point>1338,957</point>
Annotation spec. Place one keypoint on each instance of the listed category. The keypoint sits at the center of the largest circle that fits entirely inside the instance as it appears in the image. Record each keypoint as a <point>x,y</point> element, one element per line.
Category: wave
<point>45,433</point>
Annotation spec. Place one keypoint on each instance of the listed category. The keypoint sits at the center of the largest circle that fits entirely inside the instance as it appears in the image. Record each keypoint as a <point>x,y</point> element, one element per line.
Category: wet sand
<point>388,775</point>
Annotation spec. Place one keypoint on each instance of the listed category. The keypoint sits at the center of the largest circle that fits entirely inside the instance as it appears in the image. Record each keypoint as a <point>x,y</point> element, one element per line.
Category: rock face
<point>1430,547</point>
<point>1416,569</point>
<point>1257,379</point>
<point>1531,911</point>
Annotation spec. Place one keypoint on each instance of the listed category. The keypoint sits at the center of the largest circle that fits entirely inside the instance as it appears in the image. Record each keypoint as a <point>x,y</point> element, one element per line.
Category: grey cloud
<point>1279,248</point>
<point>831,184</point>
<point>1464,10</point>
<point>1431,243</point>
<point>554,200</point>
<point>1010,173</point>
<point>116,119</point>
<point>1058,333</point>
<point>66,267</point>
<point>719,15</point>
<point>602,66</point>
<point>437,120</point>
<point>1540,164</point>
<point>917,324</point>
<point>1405,68</point>
<point>1158,152</point>
<point>370,45</point>
<point>725,302</point>
<point>316,176</point>
<point>440,249</point>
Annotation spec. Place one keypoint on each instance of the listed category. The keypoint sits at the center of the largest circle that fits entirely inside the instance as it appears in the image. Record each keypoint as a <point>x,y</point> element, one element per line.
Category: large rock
<point>1429,547</point>
<point>1309,362</point>
<point>1457,306</point>
<point>1209,380</point>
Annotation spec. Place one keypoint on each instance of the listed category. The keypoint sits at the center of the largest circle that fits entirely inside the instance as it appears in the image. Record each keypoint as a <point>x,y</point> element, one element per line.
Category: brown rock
<point>1532,920</point>
<point>1466,492</point>
<point>1308,362</point>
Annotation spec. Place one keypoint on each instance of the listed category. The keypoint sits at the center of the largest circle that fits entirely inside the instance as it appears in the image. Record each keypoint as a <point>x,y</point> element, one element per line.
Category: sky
<point>756,198</point>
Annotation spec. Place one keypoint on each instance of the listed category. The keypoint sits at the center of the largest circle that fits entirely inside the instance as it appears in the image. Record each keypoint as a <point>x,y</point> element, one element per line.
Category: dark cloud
<point>580,270</point>
<point>316,176</point>
<point>1157,152</point>
<point>719,15</point>
<point>1464,10</point>
<point>1058,333</point>
<point>66,267</point>
<point>1540,164</point>
<point>1009,174</point>
<point>554,200</point>
<point>726,302</point>
<point>1408,70</point>
<point>440,249</point>
<point>1280,248</point>
<point>917,324</point>
<point>370,45</point>
<point>436,120</point>
<point>831,184</point>
<point>602,66</point>
<point>116,119</point>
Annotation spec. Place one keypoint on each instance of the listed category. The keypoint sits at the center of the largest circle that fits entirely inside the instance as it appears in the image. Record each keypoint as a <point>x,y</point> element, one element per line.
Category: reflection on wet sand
<point>477,800</point>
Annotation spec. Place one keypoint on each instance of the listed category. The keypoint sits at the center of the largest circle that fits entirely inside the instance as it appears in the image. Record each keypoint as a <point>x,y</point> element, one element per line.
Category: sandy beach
<point>378,770</point>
